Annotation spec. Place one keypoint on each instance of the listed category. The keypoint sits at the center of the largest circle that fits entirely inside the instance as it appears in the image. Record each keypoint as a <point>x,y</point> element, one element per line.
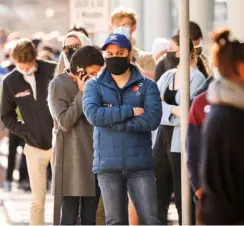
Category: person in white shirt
<point>26,88</point>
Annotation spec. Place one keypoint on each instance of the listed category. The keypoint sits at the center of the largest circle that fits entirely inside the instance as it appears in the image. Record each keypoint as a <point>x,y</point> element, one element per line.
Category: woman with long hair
<point>222,168</point>
<point>167,147</point>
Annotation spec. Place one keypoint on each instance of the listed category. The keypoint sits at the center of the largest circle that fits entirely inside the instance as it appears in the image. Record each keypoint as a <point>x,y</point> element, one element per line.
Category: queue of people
<point>111,132</point>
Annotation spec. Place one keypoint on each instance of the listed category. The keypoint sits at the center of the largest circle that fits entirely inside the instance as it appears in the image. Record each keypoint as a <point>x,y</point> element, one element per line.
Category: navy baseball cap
<point>118,39</point>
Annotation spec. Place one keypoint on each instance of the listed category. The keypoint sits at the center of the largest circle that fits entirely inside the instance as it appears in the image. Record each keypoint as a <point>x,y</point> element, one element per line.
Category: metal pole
<point>184,92</point>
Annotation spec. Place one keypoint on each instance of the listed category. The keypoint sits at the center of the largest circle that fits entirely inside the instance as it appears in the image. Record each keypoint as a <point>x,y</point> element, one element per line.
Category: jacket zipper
<point>124,155</point>
<point>38,114</point>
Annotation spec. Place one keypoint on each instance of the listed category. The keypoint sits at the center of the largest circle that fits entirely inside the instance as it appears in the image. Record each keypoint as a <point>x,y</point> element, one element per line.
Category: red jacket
<point>198,110</point>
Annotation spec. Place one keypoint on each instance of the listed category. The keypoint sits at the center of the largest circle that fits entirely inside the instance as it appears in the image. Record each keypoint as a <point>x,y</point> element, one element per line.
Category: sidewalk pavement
<point>15,205</point>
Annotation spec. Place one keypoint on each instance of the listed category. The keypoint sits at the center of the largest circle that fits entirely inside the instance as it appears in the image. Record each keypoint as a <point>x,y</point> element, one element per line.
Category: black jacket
<point>37,124</point>
<point>222,168</point>
<point>163,65</point>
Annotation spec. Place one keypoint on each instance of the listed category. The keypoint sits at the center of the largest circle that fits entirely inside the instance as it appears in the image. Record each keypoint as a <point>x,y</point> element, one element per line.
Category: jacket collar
<point>106,79</point>
<point>38,62</point>
<point>223,91</point>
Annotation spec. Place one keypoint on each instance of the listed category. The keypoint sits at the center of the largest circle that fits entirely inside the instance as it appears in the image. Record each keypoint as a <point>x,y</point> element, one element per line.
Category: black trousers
<point>83,207</point>
<point>14,142</point>
<point>168,174</point>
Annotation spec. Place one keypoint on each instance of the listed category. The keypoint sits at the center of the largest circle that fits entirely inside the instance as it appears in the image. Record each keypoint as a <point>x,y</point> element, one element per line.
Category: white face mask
<point>123,30</point>
<point>27,73</point>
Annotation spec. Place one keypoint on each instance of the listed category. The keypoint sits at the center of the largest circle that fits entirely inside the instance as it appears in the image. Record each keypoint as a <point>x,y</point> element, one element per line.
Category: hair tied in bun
<point>221,36</point>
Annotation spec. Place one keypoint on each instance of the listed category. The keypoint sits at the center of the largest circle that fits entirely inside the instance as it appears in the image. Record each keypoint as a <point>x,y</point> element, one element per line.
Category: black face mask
<point>198,51</point>
<point>117,65</point>
<point>69,53</point>
<point>173,59</point>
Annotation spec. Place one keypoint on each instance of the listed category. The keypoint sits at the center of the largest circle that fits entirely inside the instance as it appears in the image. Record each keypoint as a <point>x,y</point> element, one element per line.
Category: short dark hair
<point>79,29</point>
<point>195,31</point>
<point>85,57</point>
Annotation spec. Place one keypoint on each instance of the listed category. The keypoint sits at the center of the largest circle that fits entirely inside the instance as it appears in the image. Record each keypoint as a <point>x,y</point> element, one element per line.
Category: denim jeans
<point>83,207</point>
<point>141,187</point>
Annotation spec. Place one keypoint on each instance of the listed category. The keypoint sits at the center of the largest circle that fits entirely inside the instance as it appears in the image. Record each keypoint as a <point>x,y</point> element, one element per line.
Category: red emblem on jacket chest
<point>135,88</point>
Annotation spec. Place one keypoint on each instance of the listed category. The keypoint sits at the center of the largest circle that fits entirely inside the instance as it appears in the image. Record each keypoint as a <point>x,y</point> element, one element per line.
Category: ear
<point>177,53</point>
<point>110,28</point>
<point>133,29</point>
<point>240,67</point>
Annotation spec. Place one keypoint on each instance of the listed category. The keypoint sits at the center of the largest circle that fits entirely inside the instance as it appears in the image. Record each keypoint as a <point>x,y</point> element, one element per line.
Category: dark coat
<point>37,127</point>
<point>222,168</point>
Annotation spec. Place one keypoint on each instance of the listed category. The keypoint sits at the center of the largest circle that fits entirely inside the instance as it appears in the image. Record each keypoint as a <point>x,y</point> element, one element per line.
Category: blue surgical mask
<point>123,30</point>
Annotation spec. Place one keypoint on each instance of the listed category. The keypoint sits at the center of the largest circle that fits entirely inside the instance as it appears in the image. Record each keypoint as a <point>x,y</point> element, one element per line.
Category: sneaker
<point>7,186</point>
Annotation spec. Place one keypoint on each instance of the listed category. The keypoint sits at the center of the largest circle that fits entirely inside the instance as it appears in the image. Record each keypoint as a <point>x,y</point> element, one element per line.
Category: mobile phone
<point>82,75</point>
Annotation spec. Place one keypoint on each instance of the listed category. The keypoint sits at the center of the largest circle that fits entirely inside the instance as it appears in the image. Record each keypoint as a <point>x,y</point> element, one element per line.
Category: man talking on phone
<point>124,107</point>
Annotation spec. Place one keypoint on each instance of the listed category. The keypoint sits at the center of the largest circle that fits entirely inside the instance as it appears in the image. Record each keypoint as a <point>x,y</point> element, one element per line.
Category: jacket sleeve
<point>150,119</point>
<point>193,145</point>
<point>168,117</point>
<point>97,114</point>
<point>62,111</point>
<point>8,113</point>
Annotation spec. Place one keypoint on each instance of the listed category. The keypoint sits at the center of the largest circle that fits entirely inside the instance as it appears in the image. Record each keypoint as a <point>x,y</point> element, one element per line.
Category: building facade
<point>156,18</point>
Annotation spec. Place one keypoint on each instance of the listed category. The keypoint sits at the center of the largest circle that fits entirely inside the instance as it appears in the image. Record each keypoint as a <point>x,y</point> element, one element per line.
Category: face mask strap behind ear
<point>66,61</point>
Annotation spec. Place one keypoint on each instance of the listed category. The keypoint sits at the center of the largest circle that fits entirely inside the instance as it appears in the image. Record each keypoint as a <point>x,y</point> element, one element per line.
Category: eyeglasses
<point>73,47</point>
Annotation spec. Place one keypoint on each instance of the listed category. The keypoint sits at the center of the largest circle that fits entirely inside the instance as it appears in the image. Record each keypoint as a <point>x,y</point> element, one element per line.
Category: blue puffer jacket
<point>120,140</point>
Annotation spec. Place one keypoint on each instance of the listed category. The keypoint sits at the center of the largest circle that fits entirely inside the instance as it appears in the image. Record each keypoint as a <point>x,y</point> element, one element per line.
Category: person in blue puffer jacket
<point>124,107</point>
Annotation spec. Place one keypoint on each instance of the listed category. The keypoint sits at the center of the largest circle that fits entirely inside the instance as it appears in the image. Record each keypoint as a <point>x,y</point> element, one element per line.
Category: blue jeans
<point>141,187</point>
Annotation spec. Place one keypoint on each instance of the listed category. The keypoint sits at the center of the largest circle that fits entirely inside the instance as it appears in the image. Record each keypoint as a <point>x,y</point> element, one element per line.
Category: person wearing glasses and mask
<point>124,107</point>
<point>72,41</point>
<point>73,149</point>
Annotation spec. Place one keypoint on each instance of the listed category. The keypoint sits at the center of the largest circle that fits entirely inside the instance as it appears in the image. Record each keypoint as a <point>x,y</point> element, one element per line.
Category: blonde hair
<point>119,14</point>
<point>60,66</point>
<point>24,51</point>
